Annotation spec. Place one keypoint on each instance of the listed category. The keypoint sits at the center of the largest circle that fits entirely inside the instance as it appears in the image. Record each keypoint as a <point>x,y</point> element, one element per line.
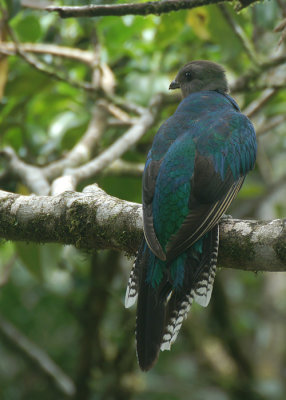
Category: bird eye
<point>188,75</point>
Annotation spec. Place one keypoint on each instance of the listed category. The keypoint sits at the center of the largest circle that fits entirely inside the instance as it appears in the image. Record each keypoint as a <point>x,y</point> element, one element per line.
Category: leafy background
<point>70,303</point>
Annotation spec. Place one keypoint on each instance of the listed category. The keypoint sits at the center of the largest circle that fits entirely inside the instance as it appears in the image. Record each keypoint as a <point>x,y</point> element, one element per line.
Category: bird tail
<point>150,323</point>
<point>162,303</point>
<point>151,307</point>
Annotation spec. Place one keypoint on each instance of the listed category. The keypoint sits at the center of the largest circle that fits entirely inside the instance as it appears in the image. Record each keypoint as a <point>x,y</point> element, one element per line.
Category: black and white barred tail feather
<point>162,310</point>
<point>178,309</point>
<point>132,287</point>
<point>200,290</point>
<point>204,287</point>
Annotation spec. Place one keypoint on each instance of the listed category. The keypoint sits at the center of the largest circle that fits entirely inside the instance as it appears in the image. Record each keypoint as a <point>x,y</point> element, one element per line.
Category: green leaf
<point>28,28</point>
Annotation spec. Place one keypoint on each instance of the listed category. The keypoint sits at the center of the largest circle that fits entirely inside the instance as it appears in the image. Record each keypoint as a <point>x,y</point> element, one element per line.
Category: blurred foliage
<point>71,304</point>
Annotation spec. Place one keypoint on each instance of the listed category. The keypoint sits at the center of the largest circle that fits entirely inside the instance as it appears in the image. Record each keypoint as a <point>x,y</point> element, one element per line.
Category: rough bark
<point>95,220</point>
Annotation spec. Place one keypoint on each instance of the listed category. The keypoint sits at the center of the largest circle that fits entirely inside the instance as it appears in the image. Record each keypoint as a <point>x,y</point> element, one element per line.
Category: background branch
<point>92,349</point>
<point>114,151</point>
<point>85,56</point>
<point>31,176</point>
<point>257,104</point>
<point>155,7</point>
<point>246,44</point>
<point>85,147</point>
<point>248,80</point>
<point>43,67</point>
<point>37,356</point>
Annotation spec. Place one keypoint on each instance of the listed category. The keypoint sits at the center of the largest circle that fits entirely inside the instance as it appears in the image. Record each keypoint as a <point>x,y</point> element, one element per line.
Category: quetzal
<point>195,168</point>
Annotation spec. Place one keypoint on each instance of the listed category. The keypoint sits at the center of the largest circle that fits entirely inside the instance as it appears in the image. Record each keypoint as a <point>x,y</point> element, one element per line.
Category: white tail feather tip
<point>130,297</point>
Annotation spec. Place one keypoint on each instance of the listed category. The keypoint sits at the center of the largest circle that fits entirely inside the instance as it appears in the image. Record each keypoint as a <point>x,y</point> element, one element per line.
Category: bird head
<point>200,75</point>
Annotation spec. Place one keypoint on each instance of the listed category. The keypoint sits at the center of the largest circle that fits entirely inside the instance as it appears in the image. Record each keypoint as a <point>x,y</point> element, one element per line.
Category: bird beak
<point>174,85</point>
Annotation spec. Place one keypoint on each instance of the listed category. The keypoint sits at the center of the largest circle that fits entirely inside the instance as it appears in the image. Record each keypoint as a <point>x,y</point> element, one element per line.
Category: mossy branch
<point>95,220</point>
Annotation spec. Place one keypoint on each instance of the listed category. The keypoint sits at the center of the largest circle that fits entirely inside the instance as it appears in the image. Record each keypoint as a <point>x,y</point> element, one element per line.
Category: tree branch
<point>125,168</point>
<point>258,103</point>
<point>238,31</point>
<point>74,176</point>
<point>84,56</point>
<point>150,7</point>
<point>37,179</point>
<point>37,356</point>
<point>42,66</point>
<point>85,147</point>
<point>92,345</point>
<point>271,124</point>
<point>93,219</point>
<point>247,81</point>
<point>29,175</point>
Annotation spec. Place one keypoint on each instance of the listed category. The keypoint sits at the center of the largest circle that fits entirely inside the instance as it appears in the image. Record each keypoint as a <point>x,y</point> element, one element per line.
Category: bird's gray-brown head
<point>200,75</point>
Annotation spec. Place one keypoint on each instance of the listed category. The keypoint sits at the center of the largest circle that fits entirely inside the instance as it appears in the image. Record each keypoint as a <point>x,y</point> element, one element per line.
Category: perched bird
<point>195,168</point>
